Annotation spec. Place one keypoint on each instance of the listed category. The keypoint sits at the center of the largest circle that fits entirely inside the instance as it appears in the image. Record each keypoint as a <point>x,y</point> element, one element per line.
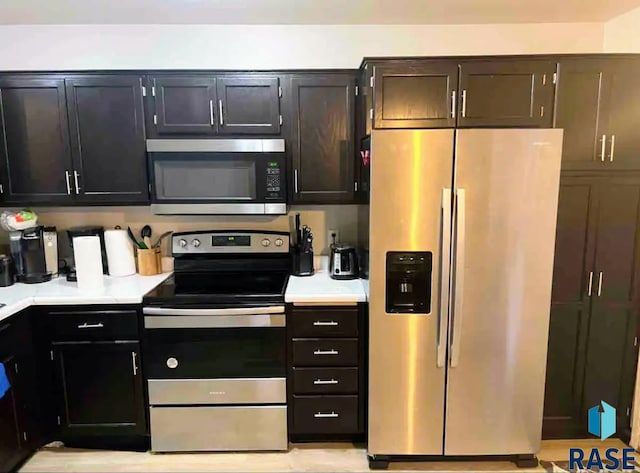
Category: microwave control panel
<point>273,180</point>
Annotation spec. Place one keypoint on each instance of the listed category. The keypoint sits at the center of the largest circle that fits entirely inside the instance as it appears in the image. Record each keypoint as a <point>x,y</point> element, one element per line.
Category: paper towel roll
<point>119,253</point>
<point>88,258</point>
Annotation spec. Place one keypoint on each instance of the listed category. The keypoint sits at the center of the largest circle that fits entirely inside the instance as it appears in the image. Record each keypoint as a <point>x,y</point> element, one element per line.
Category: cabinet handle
<point>464,103</point>
<point>221,112</point>
<point>326,381</point>
<point>603,144</point>
<point>590,283</point>
<point>325,352</point>
<point>68,178</point>
<point>75,178</point>
<point>453,104</point>
<point>600,284</point>
<point>86,325</point>
<point>134,363</point>
<point>613,148</point>
<point>322,414</point>
<point>211,119</point>
<point>295,181</point>
<point>319,323</point>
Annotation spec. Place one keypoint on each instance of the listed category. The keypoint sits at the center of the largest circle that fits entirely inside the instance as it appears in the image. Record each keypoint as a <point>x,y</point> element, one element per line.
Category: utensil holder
<point>302,262</point>
<point>149,261</point>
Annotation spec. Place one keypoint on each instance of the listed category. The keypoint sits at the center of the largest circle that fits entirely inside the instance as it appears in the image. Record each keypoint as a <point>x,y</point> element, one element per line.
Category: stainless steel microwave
<point>245,176</point>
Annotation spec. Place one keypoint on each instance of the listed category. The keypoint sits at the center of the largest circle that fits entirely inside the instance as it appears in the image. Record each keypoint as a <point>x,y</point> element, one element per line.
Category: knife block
<point>302,262</point>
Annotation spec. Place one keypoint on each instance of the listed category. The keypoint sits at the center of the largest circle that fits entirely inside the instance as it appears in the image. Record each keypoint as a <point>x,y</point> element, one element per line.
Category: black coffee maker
<point>32,265</point>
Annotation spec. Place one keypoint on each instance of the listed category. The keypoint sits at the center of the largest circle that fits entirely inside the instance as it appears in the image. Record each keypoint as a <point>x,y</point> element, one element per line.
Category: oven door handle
<point>222,321</point>
<point>278,309</point>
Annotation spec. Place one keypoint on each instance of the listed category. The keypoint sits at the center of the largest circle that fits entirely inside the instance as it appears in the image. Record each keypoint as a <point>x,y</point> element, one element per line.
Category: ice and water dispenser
<point>409,282</point>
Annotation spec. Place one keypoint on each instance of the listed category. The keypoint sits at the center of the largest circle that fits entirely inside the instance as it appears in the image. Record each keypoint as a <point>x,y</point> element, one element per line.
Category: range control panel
<point>223,241</point>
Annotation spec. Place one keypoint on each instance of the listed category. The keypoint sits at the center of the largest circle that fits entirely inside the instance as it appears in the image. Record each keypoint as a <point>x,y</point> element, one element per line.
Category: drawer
<point>98,325</point>
<point>325,414</point>
<point>325,380</point>
<point>324,322</point>
<point>325,352</point>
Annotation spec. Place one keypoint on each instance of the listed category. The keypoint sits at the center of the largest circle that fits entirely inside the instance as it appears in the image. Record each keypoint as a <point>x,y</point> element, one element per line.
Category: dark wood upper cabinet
<point>322,141</point>
<point>417,94</point>
<point>34,141</point>
<point>509,93</point>
<point>108,141</point>
<point>248,105</point>
<point>99,388</point>
<point>185,105</point>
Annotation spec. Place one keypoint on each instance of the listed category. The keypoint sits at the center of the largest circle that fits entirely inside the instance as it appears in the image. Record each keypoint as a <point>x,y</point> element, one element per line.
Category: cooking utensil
<point>137,243</point>
<point>298,233</point>
<point>146,233</point>
<point>161,237</point>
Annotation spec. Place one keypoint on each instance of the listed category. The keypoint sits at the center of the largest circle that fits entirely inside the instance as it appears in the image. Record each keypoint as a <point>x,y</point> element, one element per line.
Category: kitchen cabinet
<point>595,99</point>
<point>106,120</point>
<point>34,141</point>
<point>415,94</point>
<point>592,348</point>
<point>223,104</point>
<point>322,138</point>
<point>327,371</point>
<point>506,93</point>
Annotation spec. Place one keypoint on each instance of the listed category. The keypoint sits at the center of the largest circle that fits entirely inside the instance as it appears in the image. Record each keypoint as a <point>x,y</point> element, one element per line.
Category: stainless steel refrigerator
<point>462,229</point>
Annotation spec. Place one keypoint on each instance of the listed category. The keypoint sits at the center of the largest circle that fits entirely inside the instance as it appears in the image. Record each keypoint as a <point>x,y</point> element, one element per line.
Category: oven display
<point>231,240</point>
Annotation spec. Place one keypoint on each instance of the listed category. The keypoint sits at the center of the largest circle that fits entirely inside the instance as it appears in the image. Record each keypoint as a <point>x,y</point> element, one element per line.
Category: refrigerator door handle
<point>456,318</point>
<point>445,270</point>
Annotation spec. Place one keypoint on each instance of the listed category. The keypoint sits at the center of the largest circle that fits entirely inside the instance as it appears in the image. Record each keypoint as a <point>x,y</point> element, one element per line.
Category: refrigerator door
<point>410,213</point>
<point>506,201</point>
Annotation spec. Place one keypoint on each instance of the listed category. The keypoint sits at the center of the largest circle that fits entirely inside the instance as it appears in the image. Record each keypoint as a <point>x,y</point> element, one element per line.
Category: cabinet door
<point>506,93</point>
<point>322,139</point>
<point>416,95</point>
<point>622,147</point>
<point>107,137</point>
<point>34,142</point>
<point>582,95</point>
<point>185,105</point>
<point>248,105</point>
<point>10,432</point>
<point>99,389</point>
<point>573,280</point>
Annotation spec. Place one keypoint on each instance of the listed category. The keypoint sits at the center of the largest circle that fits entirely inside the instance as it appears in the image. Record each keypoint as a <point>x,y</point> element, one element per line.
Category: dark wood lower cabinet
<point>327,369</point>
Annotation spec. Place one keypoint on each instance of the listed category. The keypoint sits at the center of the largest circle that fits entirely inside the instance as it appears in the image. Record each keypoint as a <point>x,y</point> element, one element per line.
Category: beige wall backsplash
<point>319,218</point>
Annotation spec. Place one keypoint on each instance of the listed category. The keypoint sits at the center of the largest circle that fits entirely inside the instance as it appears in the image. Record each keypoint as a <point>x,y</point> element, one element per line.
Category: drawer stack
<point>326,371</point>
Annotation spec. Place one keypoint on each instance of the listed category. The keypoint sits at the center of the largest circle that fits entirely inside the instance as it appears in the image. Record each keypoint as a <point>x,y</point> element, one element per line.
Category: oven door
<point>215,343</point>
<point>217,176</point>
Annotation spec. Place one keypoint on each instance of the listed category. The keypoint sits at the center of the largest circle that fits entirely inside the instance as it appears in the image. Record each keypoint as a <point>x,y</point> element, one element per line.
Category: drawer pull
<point>319,323</point>
<point>325,381</point>
<point>325,352</point>
<point>325,415</point>
<point>86,325</point>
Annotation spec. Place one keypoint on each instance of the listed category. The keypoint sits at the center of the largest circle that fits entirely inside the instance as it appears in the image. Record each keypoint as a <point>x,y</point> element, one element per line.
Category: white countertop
<point>322,289</point>
<point>59,291</point>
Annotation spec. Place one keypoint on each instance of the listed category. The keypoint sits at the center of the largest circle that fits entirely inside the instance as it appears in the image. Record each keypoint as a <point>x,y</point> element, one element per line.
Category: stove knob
<point>266,242</point>
<point>182,243</point>
<point>196,243</point>
<point>279,242</point>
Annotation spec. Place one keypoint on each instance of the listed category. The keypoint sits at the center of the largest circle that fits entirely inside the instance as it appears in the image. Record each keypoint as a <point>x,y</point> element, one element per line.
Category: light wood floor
<point>300,457</point>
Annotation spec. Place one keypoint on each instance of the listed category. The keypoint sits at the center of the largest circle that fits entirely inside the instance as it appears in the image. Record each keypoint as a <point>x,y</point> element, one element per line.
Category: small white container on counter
<point>119,253</point>
<point>88,258</point>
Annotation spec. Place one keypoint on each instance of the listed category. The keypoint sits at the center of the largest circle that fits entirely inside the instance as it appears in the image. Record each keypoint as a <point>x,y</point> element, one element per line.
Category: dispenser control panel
<point>408,282</point>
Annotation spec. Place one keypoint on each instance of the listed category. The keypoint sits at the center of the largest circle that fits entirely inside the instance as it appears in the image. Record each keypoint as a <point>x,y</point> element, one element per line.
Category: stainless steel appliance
<point>51,250</point>
<point>215,344</point>
<point>343,263</point>
<point>462,227</point>
<point>244,176</point>
<point>33,265</point>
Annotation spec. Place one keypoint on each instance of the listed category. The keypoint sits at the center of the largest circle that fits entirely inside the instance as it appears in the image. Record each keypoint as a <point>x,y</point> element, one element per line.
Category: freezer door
<point>411,177</point>
<point>506,201</point>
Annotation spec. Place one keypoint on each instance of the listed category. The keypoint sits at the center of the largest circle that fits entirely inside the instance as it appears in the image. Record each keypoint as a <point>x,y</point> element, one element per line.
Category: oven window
<point>190,177</point>
<point>216,353</point>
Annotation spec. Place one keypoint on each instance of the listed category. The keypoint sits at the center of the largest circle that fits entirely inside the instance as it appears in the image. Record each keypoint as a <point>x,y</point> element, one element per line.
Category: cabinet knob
<point>172,363</point>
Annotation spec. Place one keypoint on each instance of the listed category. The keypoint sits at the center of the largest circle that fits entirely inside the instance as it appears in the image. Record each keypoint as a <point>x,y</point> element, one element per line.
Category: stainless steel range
<point>215,344</point>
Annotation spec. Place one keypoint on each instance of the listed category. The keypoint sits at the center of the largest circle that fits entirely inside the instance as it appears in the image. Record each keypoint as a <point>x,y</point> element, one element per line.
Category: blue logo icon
<point>602,420</point>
